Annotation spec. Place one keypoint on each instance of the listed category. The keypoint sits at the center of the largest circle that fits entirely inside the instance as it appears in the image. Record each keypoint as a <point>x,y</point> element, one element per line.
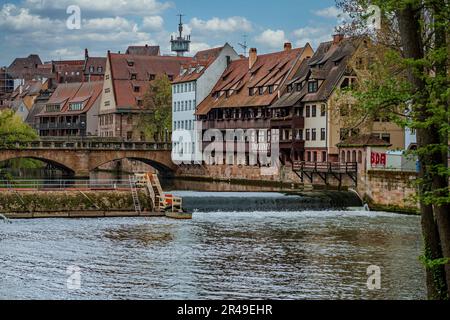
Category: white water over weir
<point>5,219</point>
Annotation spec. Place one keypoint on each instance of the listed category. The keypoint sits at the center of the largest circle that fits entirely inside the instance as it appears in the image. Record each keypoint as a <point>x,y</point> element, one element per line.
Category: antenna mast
<point>244,45</point>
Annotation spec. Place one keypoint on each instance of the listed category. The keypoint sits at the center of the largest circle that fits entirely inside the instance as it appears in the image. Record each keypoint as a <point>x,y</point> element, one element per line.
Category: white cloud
<point>229,25</point>
<point>13,18</point>
<point>152,23</point>
<point>312,35</point>
<point>330,12</point>
<point>273,39</point>
<point>199,46</point>
<point>108,24</point>
<point>115,7</point>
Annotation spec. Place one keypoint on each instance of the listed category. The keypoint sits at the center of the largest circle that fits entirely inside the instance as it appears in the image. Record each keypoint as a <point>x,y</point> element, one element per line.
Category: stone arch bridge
<point>79,158</point>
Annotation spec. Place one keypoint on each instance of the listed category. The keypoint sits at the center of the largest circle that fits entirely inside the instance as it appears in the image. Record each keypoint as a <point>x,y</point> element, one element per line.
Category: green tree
<point>155,122</point>
<point>13,129</point>
<point>409,83</point>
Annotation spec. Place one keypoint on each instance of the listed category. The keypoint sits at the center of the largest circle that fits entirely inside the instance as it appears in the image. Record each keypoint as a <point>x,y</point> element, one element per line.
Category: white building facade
<point>189,89</point>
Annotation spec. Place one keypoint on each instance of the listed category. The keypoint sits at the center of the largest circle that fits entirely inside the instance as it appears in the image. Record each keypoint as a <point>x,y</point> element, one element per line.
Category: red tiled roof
<point>69,62</point>
<point>25,67</point>
<point>95,62</point>
<point>144,50</point>
<point>269,69</point>
<point>87,92</point>
<point>123,66</point>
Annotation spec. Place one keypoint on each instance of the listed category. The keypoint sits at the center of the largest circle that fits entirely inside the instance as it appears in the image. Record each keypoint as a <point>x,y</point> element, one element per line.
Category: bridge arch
<point>162,168</point>
<point>80,160</point>
<point>65,168</point>
<point>160,160</point>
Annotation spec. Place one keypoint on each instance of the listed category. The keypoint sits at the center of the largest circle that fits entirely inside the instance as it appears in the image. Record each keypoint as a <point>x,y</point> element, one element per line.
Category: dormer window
<point>130,63</point>
<point>261,91</point>
<point>136,89</point>
<point>290,88</point>
<point>76,106</point>
<point>271,89</point>
<point>299,87</point>
<point>99,69</point>
<point>152,77</point>
<point>91,69</point>
<point>53,108</point>
<point>133,76</point>
<point>313,86</point>
<point>251,92</point>
<point>170,77</point>
<point>139,102</point>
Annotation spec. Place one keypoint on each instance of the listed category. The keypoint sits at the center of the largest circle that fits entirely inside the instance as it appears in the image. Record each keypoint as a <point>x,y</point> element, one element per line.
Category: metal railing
<point>63,184</point>
<point>336,167</point>
<point>89,145</point>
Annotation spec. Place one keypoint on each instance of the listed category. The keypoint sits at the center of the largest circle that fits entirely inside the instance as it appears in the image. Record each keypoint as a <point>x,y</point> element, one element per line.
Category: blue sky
<point>39,26</point>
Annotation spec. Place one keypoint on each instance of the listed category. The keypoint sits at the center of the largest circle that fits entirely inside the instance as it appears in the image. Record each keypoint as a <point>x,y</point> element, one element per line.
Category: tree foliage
<point>156,120</point>
<point>13,129</point>
<point>409,82</point>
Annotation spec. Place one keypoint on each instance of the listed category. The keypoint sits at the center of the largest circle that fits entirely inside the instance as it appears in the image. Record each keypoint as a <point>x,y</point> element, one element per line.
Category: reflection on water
<point>298,255</point>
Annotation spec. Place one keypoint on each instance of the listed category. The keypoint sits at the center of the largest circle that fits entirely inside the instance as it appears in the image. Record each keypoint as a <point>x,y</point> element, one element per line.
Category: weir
<point>265,202</point>
<point>5,219</point>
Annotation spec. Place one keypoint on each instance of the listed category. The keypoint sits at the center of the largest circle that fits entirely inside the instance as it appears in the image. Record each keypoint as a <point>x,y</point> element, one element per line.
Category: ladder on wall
<point>135,195</point>
<point>156,186</point>
<point>151,183</point>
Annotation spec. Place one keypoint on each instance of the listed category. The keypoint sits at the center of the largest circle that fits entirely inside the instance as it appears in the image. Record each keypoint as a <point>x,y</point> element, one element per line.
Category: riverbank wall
<point>254,175</point>
<point>72,204</point>
<point>393,191</point>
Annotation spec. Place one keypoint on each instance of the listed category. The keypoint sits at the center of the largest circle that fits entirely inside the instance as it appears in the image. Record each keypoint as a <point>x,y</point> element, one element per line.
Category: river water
<point>270,254</point>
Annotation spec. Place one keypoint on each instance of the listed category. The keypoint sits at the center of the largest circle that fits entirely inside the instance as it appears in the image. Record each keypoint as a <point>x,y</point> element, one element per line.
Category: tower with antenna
<point>244,45</point>
<point>181,44</point>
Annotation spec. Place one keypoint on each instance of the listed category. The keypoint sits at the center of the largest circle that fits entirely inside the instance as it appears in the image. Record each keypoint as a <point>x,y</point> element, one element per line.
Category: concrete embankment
<point>72,204</point>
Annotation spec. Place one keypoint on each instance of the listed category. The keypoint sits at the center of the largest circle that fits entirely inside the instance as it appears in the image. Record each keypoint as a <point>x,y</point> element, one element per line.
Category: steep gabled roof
<point>66,93</point>
<point>96,63</point>
<point>142,68</point>
<point>294,96</point>
<point>194,69</point>
<point>268,70</point>
<point>24,68</point>
<point>144,50</point>
<point>329,64</point>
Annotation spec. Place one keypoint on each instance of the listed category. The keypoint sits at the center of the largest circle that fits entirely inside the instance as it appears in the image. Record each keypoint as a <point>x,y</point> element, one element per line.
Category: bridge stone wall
<point>80,162</point>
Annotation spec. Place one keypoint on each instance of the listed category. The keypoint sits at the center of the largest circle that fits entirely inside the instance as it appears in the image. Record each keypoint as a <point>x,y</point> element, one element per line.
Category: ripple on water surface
<point>239,255</point>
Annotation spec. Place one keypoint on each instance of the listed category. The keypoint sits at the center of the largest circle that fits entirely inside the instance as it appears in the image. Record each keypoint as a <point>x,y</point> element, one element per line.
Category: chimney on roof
<point>146,45</point>
<point>287,46</point>
<point>338,38</point>
<point>86,53</point>
<point>253,56</point>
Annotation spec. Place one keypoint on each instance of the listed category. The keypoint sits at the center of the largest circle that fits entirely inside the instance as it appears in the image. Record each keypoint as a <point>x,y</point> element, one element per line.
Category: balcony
<point>295,122</point>
<point>298,145</point>
<point>61,125</point>
<point>245,124</point>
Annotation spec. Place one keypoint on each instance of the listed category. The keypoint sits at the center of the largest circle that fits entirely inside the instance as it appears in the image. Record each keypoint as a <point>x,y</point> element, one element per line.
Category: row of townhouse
<point>91,97</point>
<point>291,94</point>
